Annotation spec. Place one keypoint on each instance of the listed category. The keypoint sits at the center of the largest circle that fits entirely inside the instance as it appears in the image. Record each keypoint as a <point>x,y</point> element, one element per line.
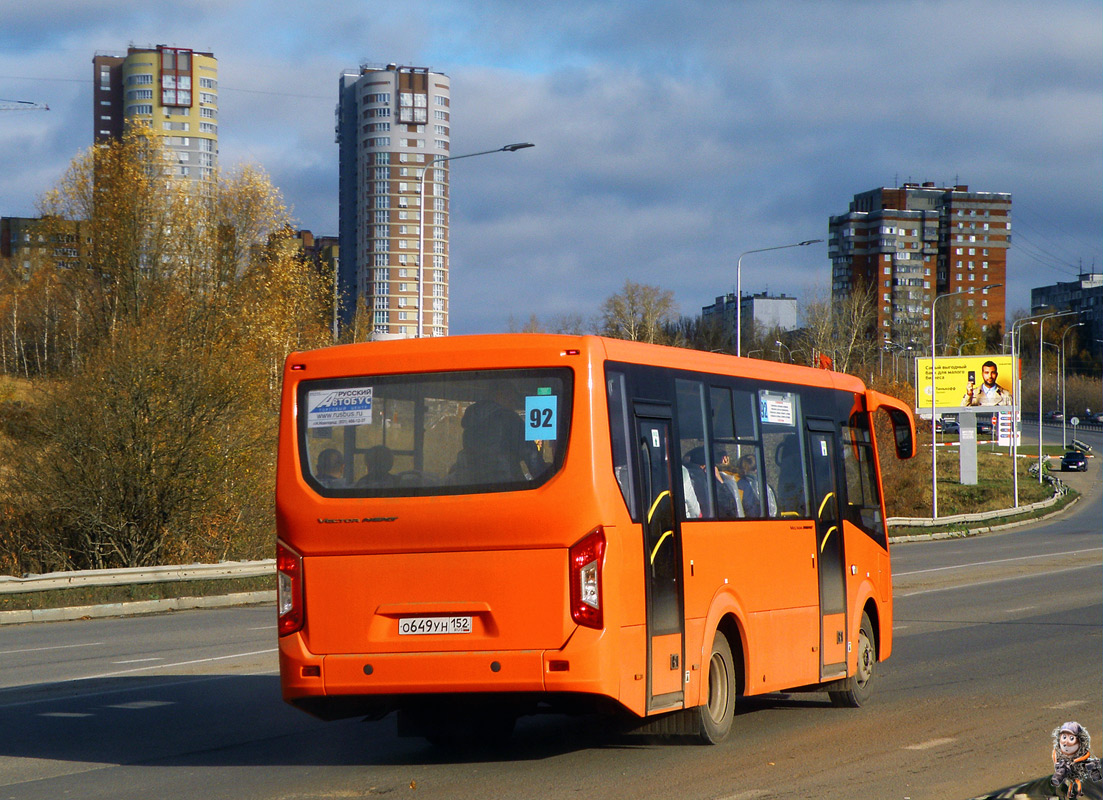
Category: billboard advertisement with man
<point>965,382</point>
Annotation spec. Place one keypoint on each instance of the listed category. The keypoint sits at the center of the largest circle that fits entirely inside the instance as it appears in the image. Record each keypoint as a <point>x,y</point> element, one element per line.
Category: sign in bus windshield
<point>443,433</point>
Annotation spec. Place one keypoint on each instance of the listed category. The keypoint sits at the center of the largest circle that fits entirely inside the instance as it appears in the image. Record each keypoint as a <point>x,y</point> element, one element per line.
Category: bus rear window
<point>436,433</point>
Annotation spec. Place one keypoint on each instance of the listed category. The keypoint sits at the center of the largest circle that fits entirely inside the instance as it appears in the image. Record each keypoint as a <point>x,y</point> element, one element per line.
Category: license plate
<point>413,626</point>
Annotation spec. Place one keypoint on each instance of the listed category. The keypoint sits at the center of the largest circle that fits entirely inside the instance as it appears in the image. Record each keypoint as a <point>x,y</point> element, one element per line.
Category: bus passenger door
<point>663,565</point>
<point>829,546</point>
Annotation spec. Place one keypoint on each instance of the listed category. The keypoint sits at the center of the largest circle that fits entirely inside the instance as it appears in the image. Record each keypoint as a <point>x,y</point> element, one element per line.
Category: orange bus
<point>473,528</point>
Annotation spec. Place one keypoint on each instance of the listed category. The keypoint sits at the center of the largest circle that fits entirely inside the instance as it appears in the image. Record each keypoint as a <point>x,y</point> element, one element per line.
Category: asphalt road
<point>998,640</point>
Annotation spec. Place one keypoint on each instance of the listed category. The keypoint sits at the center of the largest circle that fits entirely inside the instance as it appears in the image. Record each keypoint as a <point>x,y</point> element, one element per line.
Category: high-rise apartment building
<point>758,313</point>
<point>393,124</point>
<point>1084,296</point>
<point>173,90</point>
<point>909,244</point>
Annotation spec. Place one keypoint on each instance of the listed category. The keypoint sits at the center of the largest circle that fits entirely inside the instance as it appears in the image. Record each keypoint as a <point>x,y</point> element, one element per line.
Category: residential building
<point>323,252</point>
<point>760,314</point>
<point>908,245</point>
<point>393,124</point>
<point>174,91</point>
<point>1084,295</point>
<point>29,242</point>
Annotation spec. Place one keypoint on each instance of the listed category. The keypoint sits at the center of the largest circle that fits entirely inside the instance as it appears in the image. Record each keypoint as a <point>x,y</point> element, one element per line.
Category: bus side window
<point>692,452</point>
<point>620,435</point>
<point>863,505</point>
<point>781,422</point>
<point>787,472</point>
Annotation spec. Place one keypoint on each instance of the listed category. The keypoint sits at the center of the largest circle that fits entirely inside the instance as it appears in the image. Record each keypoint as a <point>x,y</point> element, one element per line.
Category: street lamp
<point>1064,364</point>
<point>1016,400</point>
<point>780,345</point>
<point>739,287</point>
<point>934,403</point>
<point>965,343</point>
<point>509,148</point>
<point>1041,350</point>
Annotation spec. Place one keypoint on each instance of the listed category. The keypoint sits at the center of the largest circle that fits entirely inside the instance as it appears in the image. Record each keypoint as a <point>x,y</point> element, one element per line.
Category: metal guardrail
<point>1059,490</point>
<point>132,575</point>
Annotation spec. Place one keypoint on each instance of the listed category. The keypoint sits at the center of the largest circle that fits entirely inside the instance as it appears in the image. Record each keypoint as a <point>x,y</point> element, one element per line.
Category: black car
<point>1074,461</point>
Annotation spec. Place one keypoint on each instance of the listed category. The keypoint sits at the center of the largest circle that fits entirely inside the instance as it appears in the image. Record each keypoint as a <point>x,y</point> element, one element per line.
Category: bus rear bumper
<point>335,686</point>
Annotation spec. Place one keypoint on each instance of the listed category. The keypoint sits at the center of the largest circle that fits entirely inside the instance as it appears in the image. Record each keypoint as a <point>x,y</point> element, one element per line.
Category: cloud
<point>670,136</point>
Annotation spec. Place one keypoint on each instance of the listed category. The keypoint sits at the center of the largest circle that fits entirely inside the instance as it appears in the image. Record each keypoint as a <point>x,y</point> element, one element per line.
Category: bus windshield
<point>434,433</point>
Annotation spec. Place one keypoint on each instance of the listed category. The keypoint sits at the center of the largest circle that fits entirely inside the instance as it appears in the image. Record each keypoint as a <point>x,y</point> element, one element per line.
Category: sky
<point>669,136</point>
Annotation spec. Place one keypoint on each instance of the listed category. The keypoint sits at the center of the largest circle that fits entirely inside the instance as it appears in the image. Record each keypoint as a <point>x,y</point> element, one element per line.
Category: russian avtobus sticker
<point>338,407</point>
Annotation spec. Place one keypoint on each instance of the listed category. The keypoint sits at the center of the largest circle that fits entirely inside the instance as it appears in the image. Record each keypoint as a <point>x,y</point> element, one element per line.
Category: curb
<point>24,616</point>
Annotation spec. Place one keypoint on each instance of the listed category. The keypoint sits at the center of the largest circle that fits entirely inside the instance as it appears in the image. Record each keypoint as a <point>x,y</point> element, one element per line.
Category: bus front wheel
<point>859,685</point>
<point>717,713</point>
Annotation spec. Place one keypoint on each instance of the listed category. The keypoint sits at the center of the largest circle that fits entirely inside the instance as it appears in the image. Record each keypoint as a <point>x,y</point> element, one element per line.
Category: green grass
<point>994,490</point>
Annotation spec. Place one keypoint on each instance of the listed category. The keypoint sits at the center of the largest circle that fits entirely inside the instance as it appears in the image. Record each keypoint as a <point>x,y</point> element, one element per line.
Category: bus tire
<point>859,686</point>
<point>718,711</point>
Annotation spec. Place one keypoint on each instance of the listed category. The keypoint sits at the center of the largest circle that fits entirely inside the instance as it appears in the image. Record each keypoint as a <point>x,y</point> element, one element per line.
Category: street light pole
<point>780,345</point>
<point>1064,365</point>
<point>739,287</point>
<point>1041,351</point>
<point>509,148</point>
<point>1016,400</point>
<point>934,396</point>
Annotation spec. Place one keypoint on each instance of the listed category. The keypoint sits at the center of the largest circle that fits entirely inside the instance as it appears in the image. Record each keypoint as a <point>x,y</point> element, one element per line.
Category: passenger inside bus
<point>727,505</point>
<point>330,470</point>
<point>378,460</point>
<point>494,445</point>
<point>747,469</point>
<point>726,471</point>
<point>693,505</point>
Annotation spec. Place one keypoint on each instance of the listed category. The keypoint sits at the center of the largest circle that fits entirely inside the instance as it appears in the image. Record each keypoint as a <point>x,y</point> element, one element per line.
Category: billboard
<point>965,382</point>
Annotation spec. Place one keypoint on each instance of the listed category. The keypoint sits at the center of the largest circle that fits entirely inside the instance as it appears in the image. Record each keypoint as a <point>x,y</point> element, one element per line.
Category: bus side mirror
<point>903,424</point>
<point>903,432</point>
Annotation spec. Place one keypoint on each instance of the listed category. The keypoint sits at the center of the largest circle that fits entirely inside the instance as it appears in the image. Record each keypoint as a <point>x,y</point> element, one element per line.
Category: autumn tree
<point>157,440</point>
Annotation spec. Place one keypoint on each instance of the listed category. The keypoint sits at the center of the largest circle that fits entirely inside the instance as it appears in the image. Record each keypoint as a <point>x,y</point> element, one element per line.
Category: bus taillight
<point>587,557</point>
<point>289,589</point>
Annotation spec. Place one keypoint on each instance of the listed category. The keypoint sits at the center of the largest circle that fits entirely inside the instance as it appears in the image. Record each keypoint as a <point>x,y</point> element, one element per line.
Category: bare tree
<point>638,313</point>
<point>842,330</point>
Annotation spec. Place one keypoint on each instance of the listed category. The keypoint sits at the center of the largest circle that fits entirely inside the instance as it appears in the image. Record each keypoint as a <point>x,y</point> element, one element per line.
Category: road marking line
<point>106,692</point>
<point>1066,705</point>
<point>65,714</point>
<point>997,561</point>
<point>994,580</point>
<point>929,744</point>
<point>137,660</point>
<point>1017,610</point>
<point>176,664</point>
<point>750,794</point>
<point>44,649</point>
<point>141,705</point>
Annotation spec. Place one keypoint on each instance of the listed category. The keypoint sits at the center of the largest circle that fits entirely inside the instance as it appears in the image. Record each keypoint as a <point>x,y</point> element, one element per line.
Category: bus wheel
<point>717,713</point>
<point>859,685</point>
